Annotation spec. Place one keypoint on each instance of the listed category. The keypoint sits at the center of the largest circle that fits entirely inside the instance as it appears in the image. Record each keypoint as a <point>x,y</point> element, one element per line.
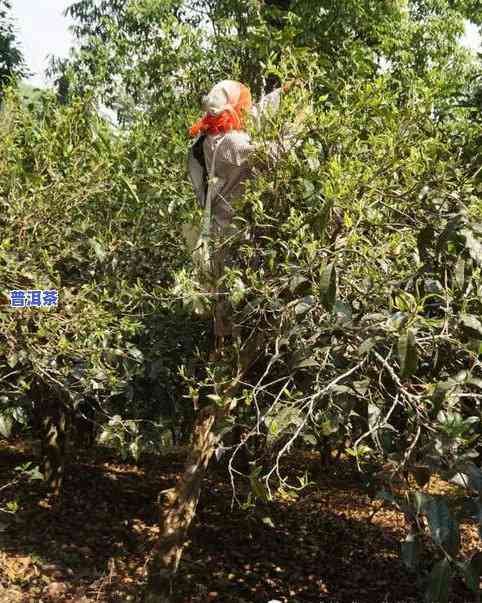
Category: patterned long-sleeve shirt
<point>231,153</point>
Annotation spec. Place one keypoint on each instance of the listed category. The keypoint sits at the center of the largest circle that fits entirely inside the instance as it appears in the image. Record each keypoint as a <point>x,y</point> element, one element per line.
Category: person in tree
<point>220,163</point>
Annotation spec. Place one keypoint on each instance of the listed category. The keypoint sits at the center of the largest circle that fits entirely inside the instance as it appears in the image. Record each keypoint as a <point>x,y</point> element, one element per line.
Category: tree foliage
<point>356,286</point>
<point>11,58</point>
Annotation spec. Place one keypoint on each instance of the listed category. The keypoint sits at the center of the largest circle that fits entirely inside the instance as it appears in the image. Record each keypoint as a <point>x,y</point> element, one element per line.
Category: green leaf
<point>298,283</point>
<point>98,249</point>
<point>215,398</point>
<point>470,475</point>
<point>328,286</point>
<point>359,452</point>
<point>472,572</point>
<point>306,363</point>
<point>471,325</point>
<point>12,506</point>
<point>473,245</point>
<point>398,320</point>
<point>304,305</point>
<point>328,427</point>
<point>361,386</point>
<point>33,473</point>
<point>374,412</point>
<point>407,354</point>
<point>309,189</point>
<point>6,423</point>
<point>438,583</point>
<point>438,516</point>
<point>460,273</point>
<point>258,489</point>
<point>268,522</point>
<point>134,449</point>
<point>444,529</point>
<point>420,501</point>
<point>367,345</point>
<point>342,311</point>
<point>410,550</point>
<point>12,360</point>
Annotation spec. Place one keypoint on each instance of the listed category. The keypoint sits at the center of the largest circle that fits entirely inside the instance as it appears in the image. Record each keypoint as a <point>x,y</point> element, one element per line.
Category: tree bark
<point>179,508</point>
<point>54,435</point>
<point>52,423</point>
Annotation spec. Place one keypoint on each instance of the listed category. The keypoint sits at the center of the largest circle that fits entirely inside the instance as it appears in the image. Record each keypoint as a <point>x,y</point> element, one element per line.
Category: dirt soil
<point>330,544</point>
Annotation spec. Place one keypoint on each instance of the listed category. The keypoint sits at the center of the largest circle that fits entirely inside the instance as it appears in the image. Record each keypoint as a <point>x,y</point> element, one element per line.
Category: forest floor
<point>331,544</point>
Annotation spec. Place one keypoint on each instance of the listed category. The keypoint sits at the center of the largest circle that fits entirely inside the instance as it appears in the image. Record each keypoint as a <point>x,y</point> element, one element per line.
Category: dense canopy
<point>356,289</point>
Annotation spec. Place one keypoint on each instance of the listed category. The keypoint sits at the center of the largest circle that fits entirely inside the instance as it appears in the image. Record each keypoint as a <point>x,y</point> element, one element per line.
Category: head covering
<point>225,106</point>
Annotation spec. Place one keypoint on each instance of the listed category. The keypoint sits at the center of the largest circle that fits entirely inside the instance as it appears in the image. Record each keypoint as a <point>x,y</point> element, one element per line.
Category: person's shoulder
<point>236,137</point>
<point>232,136</point>
<point>235,147</point>
<point>236,141</point>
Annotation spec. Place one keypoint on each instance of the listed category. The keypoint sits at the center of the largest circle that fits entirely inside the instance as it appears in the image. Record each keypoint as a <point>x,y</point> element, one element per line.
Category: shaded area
<point>94,546</point>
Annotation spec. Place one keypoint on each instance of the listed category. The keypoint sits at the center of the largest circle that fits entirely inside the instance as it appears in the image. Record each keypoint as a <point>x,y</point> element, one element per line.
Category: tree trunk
<point>179,508</point>
<point>83,424</point>
<point>178,505</point>
<point>54,434</point>
<point>51,419</point>
<point>324,449</point>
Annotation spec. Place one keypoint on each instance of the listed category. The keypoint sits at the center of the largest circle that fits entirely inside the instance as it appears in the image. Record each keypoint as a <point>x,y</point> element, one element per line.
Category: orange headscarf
<point>226,106</point>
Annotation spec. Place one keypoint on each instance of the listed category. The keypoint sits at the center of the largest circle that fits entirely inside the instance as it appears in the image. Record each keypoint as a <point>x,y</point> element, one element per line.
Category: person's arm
<point>267,105</point>
<point>270,103</point>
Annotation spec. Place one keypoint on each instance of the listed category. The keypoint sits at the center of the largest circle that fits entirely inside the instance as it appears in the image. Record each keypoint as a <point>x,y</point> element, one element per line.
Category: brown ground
<point>320,547</point>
